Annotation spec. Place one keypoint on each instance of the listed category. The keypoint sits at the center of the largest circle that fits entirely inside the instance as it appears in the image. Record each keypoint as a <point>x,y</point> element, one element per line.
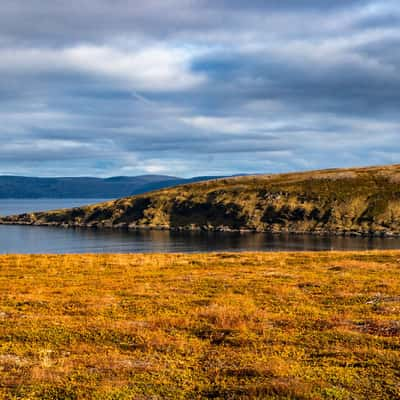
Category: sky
<point>197,87</point>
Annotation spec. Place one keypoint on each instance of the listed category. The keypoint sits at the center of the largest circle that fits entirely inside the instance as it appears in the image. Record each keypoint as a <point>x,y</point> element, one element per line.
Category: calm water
<point>19,206</point>
<point>28,239</point>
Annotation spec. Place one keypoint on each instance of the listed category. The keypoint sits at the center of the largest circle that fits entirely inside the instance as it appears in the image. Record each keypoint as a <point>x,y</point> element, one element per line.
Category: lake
<point>32,239</point>
<point>19,206</point>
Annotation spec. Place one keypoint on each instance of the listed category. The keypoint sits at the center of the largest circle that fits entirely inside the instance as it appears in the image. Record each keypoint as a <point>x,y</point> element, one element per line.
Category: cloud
<point>151,69</point>
<point>190,87</point>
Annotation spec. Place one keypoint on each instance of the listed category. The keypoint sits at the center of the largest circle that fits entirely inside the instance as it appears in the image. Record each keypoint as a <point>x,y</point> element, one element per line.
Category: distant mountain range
<point>17,187</point>
<point>357,201</point>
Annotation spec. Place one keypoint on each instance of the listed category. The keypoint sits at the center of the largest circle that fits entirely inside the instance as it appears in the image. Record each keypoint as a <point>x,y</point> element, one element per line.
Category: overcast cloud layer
<point>191,87</point>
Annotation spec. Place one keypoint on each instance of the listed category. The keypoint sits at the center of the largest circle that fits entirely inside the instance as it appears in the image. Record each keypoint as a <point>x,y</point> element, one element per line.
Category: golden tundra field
<point>218,326</point>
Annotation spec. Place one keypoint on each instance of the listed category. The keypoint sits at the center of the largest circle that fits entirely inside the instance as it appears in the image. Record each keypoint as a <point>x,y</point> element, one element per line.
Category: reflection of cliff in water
<point>33,239</point>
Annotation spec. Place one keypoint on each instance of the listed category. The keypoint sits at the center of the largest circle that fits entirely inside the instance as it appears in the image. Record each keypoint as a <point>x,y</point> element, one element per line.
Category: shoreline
<point>222,229</point>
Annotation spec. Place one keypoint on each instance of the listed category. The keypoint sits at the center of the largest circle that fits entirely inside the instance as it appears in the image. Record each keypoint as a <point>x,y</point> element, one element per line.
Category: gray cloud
<point>191,87</point>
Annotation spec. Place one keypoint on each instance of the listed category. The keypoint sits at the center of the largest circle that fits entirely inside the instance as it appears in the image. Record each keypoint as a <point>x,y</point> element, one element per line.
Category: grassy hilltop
<point>359,200</point>
<point>211,326</point>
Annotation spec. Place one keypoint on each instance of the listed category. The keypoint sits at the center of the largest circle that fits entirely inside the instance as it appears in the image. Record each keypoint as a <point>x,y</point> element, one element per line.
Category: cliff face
<point>362,201</point>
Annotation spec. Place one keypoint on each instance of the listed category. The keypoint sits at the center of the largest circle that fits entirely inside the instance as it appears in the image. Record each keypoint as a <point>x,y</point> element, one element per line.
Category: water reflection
<point>28,239</point>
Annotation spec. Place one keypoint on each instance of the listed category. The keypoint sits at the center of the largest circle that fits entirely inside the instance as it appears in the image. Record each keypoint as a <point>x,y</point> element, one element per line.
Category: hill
<point>360,201</point>
<point>17,187</point>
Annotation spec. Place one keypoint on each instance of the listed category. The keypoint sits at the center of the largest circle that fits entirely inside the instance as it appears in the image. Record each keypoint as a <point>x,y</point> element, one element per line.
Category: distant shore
<point>363,202</point>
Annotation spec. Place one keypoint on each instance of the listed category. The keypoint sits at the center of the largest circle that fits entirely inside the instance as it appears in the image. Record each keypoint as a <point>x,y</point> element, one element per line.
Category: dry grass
<point>227,326</point>
<point>363,201</point>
